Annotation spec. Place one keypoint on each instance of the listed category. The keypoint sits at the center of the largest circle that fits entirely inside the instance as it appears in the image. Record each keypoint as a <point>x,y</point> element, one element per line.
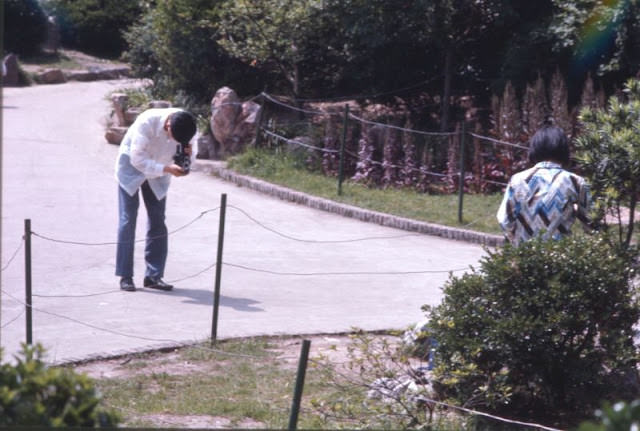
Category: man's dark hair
<point>183,126</point>
<point>549,144</point>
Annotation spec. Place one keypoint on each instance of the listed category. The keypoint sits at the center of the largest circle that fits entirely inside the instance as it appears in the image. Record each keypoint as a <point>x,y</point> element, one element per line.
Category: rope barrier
<point>13,256</point>
<point>403,129</point>
<point>495,182</point>
<point>262,225</point>
<point>497,141</point>
<point>440,403</point>
<point>308,274</point>
<point>114,332</point>
<point>12,320</point>
<point>494,417</point>
<point>419,170</point>
<point>62,241</point>
<point>306,111</point>
<point>302,144</point>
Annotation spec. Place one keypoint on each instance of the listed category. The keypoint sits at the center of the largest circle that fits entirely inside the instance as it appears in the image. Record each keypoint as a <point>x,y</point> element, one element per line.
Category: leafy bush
<point>94,26</point>
<point>609,153</point>
<point>621,416</point>
<point>25,26</point>
<point>538,330</point>
<point>175,44</point>
<point>31,394</point>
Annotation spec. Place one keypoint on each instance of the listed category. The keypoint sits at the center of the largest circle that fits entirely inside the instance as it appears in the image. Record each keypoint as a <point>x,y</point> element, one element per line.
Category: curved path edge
<point>219,169</point>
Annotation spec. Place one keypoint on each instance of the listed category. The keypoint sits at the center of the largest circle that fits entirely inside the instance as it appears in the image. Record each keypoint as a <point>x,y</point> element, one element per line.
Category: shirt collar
<point>548,165</point>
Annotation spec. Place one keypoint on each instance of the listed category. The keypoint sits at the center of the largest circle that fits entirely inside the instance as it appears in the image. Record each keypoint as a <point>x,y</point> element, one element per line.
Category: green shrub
<point>621,416</point>
<point>25,26</point>
<point>175,44</point>
<point>538,330</point>
<point>32,394</point>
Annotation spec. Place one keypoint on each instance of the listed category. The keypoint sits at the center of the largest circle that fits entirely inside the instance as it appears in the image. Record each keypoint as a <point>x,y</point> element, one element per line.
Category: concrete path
<point>285,264</point>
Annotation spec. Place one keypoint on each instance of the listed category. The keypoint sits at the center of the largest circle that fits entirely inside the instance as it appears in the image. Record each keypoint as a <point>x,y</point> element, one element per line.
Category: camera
<point>182,159</point>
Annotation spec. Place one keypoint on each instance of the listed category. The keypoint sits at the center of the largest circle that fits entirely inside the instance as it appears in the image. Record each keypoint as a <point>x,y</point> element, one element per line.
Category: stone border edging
<point>219,169</point>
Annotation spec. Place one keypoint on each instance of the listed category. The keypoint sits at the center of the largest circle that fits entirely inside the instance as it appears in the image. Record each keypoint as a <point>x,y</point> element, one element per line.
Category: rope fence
<point>436,163</point>
<point>28,305</point>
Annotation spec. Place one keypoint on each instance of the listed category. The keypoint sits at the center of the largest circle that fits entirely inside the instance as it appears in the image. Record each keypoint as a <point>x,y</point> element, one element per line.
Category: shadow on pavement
<point>205,297</point>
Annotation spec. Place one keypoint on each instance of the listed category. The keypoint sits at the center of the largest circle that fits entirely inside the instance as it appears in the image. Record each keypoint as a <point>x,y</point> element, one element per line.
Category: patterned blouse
<point>544,199</point>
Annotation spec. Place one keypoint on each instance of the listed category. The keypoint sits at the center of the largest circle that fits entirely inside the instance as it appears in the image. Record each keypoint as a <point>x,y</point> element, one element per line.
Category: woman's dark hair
<point>183,126</point>
<point>549,144</point>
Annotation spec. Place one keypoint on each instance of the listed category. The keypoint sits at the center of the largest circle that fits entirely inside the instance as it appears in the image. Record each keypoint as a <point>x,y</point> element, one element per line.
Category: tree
<point>268,34</point>
<point>175,43</point>
<point>94,26</point>
<point>600,36</point>
<point>608,150</point>
<point>25,26</point>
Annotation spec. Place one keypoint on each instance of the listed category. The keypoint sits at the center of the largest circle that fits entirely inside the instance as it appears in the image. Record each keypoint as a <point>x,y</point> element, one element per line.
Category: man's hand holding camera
<point>182,162</point>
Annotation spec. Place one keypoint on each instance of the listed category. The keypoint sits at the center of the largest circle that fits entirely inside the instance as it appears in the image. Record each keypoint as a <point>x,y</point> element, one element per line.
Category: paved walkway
<point>289,268</point>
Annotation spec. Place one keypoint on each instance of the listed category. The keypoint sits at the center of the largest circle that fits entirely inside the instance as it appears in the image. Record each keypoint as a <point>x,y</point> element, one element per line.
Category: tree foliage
<point>608,150</point>
<point>600,36</point>
<point>24,26</point>
<point>540,328</point>
<point>94,26</point>
<point>175,43</point>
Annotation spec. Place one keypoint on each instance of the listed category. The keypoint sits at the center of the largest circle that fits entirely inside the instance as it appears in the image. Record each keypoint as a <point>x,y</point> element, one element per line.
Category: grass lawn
<point>479,211</point>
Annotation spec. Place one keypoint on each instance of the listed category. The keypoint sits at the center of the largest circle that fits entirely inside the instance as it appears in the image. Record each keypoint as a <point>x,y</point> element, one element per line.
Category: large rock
<point>159,104</point>
<point>81,75</point>
<point>120,102</point>
<point>114,135</point>
<point>207,147</point>
<point>10,71</point>
<point>131,114</point>
<point>233,123</point>
<point>51,76</point>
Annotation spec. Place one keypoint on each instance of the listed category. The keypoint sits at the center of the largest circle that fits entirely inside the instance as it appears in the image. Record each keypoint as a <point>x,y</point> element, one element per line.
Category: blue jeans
<point>156,246</point>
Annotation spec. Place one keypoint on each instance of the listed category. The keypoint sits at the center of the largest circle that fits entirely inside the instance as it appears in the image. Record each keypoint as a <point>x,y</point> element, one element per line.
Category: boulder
<point>51,76</point>
<point>115,134</point>
<point>159,104</point>
<point>233,123</point>
<point>10,71</point>
<point>119,101</point>
<point>207,147</point>
<point>131,114</point>
<point>81,75</point>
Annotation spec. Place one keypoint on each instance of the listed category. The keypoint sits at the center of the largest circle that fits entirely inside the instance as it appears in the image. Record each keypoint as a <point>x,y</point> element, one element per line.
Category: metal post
<point>258,140</point>
<point>462,174</point>
<point>216,293</point>
<point>342,146</point>
<point>297,394</point>
<point>27,278</point>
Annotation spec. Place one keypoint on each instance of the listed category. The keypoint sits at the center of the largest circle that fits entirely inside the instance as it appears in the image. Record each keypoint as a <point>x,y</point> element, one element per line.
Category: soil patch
<point>286,350</point>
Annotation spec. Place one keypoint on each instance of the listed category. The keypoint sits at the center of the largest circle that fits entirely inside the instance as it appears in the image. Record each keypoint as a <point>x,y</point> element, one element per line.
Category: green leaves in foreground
<point>32,394</point>
<point>539,329</point>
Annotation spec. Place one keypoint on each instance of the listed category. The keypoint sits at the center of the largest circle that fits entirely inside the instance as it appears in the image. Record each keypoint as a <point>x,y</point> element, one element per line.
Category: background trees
<point>25,26</point>
<point>94,26</point>
<point>430,53</point>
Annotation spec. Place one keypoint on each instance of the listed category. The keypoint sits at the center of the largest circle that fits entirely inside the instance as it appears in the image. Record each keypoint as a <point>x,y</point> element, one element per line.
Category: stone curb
<point>219,169</point>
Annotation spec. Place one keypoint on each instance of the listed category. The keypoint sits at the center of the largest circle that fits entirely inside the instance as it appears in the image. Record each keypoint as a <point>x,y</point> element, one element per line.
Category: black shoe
<point>126,283</point>
<point>156,283</point>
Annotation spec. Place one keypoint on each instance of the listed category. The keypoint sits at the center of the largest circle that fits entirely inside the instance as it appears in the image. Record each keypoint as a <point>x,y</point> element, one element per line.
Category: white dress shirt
<point>144,152</point>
